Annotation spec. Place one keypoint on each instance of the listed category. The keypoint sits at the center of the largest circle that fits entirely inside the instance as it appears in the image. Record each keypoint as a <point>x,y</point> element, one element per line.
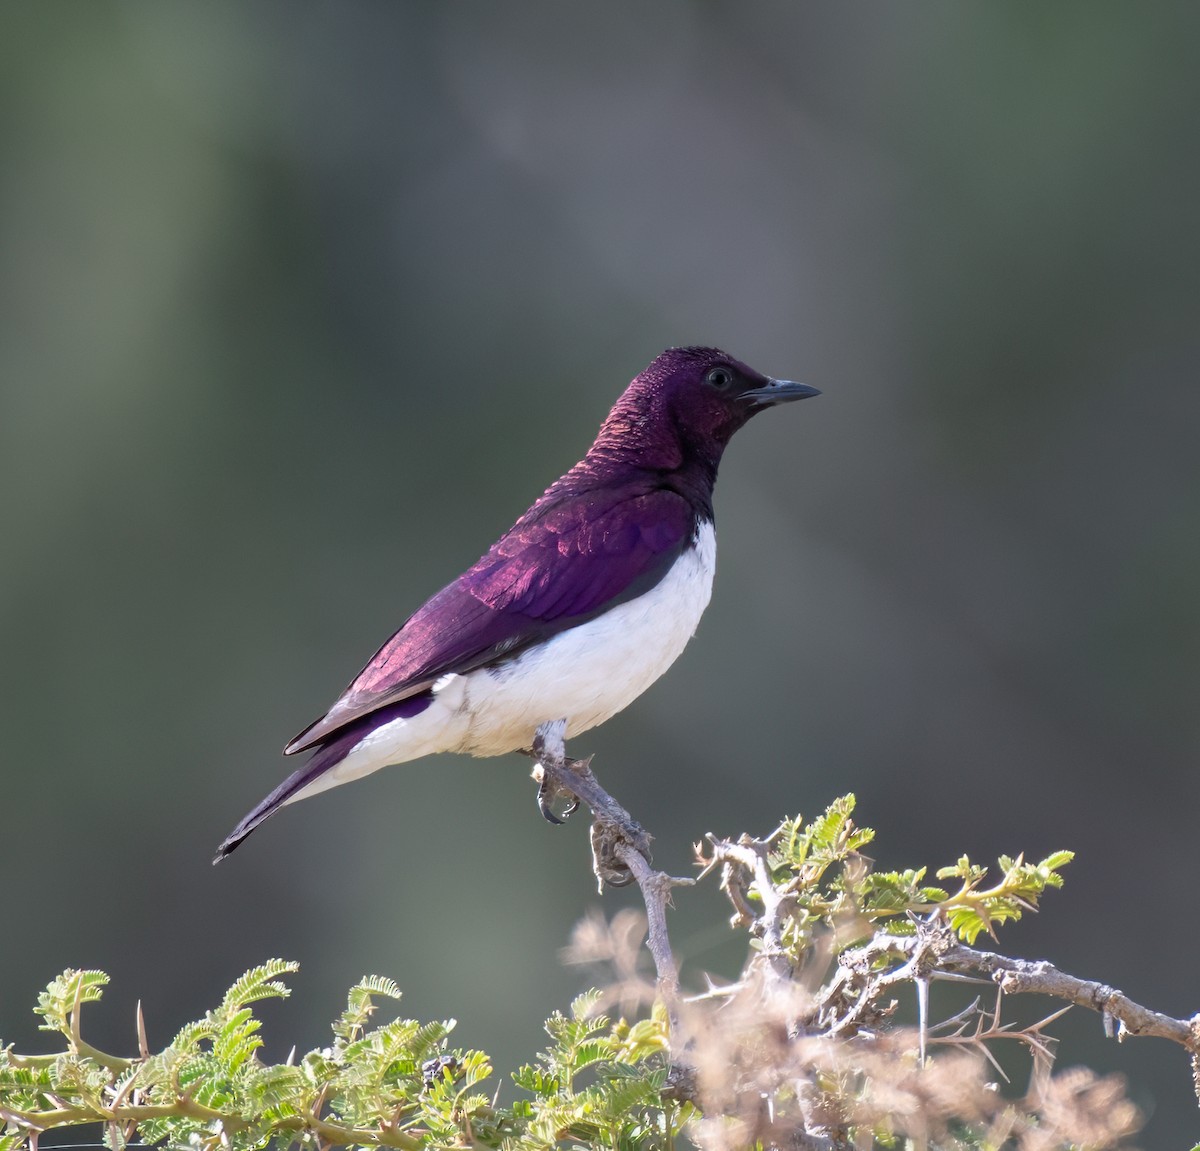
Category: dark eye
<point>719,377</point>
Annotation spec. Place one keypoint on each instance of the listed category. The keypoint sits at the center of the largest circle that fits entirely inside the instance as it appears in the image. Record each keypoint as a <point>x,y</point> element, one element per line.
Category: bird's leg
<point>614,829</point>
<point>550,765</point>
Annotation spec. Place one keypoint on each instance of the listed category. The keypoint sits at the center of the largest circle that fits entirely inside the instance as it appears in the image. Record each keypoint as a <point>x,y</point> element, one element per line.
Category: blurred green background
<point>304,303</point>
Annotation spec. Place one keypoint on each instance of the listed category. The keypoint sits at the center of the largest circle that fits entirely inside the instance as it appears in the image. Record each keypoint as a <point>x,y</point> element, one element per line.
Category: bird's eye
<point>719,377</point>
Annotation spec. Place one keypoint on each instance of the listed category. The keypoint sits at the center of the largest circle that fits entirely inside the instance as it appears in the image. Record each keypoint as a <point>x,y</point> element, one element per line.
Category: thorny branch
<point>936,947</point>
<point>745,872</point>
<point>856,996</point>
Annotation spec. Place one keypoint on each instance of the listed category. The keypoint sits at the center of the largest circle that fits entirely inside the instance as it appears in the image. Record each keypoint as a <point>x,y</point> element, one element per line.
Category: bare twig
<point>656,891</point>
<point>936,944</point>
<point>745,871</point>
<point>1014,976</point>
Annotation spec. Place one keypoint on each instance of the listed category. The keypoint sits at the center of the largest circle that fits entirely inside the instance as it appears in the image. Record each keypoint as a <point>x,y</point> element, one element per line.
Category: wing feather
<point>564,562</point>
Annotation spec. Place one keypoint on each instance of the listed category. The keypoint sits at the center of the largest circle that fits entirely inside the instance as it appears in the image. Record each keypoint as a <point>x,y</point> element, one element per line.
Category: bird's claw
<point>547,793</point>
<point>550,756</point>
<point>543,802</point>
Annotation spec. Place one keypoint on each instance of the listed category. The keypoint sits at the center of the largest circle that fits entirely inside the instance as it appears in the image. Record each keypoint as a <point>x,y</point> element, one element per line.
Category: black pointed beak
<point>780,392</point>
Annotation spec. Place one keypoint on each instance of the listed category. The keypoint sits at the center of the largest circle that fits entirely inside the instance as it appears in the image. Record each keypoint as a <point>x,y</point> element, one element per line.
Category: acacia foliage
<point>761,1058</point>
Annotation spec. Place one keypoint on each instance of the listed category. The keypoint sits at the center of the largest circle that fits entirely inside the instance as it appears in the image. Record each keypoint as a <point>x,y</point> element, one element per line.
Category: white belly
<point>584,675</point>
<point>589,673</point>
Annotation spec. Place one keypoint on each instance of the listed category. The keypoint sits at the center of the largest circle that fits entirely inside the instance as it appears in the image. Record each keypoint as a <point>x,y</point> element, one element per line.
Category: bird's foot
<point>607,864</point>
<point>561,778</point>
<point>549,769</point>
<point>548,793</point>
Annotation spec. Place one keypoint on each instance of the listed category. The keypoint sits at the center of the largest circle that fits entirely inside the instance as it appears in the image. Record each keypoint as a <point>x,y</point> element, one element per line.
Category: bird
<point>574,612</point>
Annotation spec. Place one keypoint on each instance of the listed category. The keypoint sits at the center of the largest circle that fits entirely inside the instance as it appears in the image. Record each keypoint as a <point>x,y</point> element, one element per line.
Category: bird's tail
<point>327,757</point>
<point>320,763</point>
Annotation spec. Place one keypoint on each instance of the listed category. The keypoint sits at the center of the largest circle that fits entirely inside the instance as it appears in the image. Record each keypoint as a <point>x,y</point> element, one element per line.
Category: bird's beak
<point>780,392</point>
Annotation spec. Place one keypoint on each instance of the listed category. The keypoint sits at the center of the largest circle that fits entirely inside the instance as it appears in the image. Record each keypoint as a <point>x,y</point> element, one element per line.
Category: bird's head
<point>692,400</point>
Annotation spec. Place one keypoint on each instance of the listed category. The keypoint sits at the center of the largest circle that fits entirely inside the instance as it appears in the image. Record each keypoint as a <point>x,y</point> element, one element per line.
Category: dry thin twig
<point>934,941</point>
<point>1039,977</point>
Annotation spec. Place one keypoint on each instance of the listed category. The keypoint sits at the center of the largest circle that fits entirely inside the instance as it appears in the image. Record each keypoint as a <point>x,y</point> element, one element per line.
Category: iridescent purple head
<point>689,402</point>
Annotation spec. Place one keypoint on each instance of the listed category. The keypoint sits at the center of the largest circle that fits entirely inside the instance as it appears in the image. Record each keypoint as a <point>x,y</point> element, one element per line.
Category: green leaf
<point>585,1054</point>
<point>536,1080</point>
<point>968,923</point>
<point>360,1004</point>
<point>1056,859</point>
<point>64,994</point>
<point>584,1006</point>
<point>259,983</point>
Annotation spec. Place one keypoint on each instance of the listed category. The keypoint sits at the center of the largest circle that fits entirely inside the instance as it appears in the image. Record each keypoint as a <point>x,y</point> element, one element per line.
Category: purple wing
<point>564,562</point>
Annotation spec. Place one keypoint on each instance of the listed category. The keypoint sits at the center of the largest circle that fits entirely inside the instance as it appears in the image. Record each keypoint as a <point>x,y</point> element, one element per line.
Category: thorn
<point>993,1061</point>
<point>922,1015</point>
<point>1058,1015</point>
<point>76,1039</point>
<point>143,1046</point>
<point>956,977</point>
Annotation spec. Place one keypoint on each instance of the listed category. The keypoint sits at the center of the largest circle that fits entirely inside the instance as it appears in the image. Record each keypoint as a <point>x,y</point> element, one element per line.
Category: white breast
<point>589,673</point>
<point>585,675</point>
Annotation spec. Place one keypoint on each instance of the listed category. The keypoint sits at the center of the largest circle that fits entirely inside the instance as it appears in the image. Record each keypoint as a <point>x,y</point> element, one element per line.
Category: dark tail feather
<point>318,765</point>
<point>327,756</point>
